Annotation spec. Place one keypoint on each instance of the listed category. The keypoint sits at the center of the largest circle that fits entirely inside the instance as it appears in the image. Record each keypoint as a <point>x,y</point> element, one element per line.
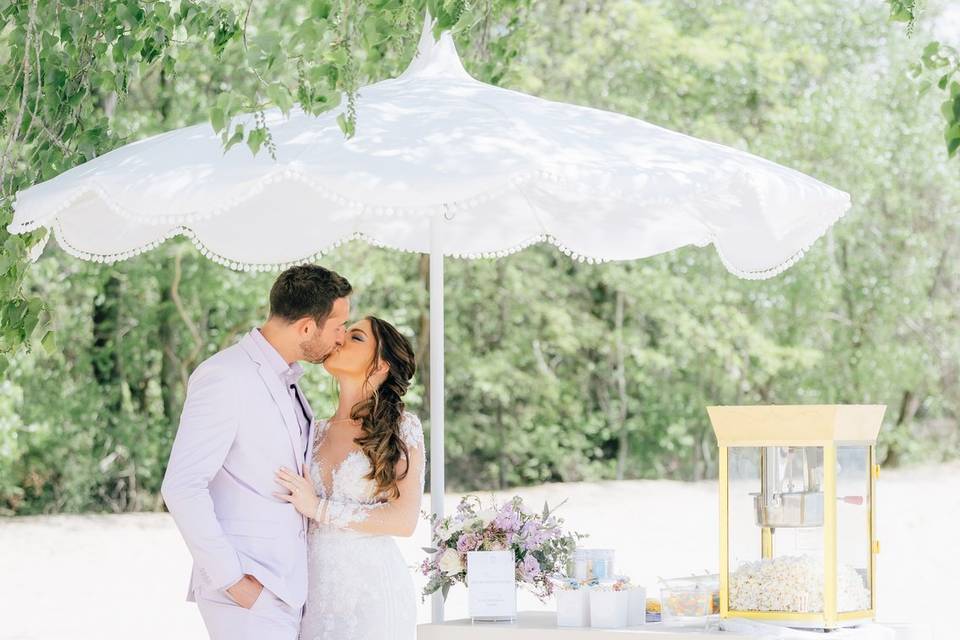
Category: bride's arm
<point>397,517</point>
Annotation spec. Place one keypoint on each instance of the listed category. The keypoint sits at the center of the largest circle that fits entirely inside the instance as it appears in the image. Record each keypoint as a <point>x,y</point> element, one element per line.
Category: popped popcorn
<point>793,584</point>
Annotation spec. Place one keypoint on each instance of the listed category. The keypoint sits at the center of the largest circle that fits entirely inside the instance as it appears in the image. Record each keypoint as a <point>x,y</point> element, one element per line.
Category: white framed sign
<point>491,585</point>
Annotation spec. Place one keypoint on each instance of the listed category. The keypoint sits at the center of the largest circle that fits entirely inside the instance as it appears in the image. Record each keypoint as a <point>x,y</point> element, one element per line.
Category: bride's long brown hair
<point>380,415</point>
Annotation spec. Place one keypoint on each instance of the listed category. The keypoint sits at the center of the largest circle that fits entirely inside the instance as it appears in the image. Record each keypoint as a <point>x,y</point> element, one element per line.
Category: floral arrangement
<point>794,584</point>
<point>541,549</point>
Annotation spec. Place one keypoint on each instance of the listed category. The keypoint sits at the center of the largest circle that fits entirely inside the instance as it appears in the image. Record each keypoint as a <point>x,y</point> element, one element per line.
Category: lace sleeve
<point>397,517</point>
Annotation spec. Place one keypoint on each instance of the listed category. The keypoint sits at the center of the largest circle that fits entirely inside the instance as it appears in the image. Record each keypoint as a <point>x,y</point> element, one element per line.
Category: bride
<point>362,485</point>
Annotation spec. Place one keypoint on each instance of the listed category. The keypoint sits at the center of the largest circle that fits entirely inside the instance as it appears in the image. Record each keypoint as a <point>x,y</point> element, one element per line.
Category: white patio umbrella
<point>441,164</point>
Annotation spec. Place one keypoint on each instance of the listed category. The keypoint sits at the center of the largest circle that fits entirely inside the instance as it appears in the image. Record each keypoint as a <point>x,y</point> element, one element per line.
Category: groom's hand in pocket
<point>246,591</point>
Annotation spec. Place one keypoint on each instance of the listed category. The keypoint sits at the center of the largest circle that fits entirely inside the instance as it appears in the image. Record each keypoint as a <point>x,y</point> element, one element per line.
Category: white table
<point>533,625</point>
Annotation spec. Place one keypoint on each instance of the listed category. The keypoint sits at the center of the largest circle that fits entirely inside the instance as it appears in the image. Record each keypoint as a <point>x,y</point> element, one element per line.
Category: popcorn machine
<point>797,513</point>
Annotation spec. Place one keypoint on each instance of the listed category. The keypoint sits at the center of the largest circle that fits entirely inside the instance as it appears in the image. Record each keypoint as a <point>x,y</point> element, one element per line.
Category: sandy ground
<point>125,576</point>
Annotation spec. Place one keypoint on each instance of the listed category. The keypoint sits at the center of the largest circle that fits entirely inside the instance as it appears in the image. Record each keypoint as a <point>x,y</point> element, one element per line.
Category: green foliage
<point>943,62</point>
<point>907,11</point>
<point>939,65</point>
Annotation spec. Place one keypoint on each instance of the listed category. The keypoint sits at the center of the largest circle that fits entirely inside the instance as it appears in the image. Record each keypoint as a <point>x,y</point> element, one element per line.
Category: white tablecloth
<point>532,625</point>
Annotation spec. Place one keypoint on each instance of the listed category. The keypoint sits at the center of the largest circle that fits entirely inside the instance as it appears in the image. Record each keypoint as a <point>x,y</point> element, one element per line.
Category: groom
<point>244,417</point>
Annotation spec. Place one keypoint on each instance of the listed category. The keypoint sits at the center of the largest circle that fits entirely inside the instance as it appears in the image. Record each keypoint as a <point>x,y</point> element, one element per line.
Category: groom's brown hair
<point>307,291</point>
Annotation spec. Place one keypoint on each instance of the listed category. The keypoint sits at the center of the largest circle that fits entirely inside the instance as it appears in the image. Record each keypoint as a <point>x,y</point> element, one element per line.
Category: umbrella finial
<point>435,57</point>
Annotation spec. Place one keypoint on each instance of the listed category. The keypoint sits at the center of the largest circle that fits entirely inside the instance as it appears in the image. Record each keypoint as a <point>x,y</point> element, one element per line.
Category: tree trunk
<point>501,454</point>
<point>909,405</point>
<point>169,364</point>
<point>623,440</point>
<point>423,334</point>
<point>106,360</point>
<point>107,374</point>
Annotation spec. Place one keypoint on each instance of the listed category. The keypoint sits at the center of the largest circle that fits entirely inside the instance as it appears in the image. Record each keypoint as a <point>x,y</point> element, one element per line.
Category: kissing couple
<point>289,518</point>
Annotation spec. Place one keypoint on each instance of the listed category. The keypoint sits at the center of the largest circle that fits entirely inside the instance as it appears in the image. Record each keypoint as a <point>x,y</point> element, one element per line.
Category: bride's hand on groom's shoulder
<point>301,496</point>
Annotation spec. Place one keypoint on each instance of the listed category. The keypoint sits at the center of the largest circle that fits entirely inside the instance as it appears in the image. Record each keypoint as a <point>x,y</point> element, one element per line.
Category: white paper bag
<point>608,609</point>
<point>636,606</point>
<point>573,608</point>
<point>491,585</point>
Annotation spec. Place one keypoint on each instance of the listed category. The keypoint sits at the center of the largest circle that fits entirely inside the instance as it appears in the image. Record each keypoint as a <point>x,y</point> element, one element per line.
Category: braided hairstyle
<point>381,414</point>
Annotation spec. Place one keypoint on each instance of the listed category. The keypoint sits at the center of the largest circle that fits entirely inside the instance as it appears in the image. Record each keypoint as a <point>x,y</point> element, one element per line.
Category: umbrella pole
<point>436,386</point>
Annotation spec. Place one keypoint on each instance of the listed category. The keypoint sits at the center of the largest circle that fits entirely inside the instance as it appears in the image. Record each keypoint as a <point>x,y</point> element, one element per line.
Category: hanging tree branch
<point>939,61</point>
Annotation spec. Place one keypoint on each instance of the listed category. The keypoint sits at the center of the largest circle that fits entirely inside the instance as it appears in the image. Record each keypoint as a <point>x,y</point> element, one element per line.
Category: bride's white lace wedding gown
<point>359,586</point>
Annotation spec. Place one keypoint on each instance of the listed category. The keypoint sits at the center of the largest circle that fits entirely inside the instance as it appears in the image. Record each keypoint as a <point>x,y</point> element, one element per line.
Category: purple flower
<point>530,569</point>
<point>507,518</point>
<point>467,542</point>
<point>533,535</point>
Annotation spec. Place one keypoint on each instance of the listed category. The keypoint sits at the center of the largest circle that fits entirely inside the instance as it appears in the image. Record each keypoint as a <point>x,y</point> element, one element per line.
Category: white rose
<point>487,516</point>
<point>443,532</point>
<point>450,563</point>
<point>446,529</point>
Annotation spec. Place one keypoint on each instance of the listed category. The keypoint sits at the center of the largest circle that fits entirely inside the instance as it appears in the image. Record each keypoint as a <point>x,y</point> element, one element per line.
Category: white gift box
<point>608,609</point>
<point>573,608</point>
<point>491,585</point>
<point>636,606</point>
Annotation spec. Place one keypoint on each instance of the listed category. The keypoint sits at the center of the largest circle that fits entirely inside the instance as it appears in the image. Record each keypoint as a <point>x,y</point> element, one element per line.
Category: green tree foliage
<point>940,65</point>
<point>556,370</point>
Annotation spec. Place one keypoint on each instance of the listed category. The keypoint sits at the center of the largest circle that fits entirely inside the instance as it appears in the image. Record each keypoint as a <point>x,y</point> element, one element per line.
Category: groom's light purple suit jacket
<point>237,428</point>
